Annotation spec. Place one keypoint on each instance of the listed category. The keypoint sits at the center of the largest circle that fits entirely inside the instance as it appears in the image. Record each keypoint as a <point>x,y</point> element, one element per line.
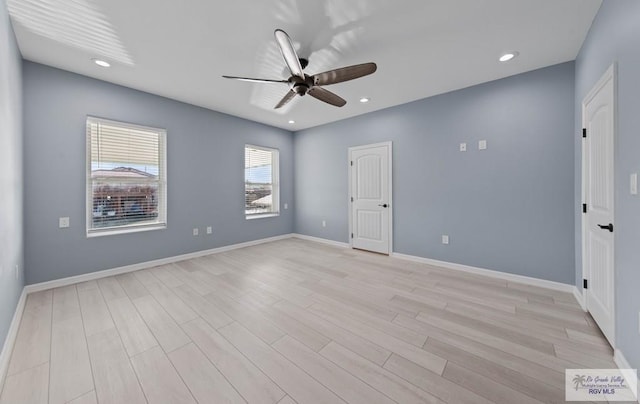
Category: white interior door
<point>370,173</point>
<point>598,183</point>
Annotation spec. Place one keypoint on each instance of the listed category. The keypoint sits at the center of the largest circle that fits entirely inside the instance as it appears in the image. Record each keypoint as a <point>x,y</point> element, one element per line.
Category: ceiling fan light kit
<point>302,84</point>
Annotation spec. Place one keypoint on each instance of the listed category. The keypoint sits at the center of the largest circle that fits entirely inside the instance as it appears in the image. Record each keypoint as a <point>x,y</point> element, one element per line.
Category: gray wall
<point>11,252</point>
<point>508,208</point>
<point>615,37</point>
<point>205,171</point>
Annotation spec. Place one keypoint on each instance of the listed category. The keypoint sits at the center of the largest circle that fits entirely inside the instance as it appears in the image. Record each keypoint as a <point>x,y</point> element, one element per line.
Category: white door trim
<point>389,145</point>
<point>609,74</point>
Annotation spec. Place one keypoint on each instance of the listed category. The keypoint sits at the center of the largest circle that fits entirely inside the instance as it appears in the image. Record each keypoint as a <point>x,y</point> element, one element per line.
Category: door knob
<point>384,205</point>
<point>606,227</point>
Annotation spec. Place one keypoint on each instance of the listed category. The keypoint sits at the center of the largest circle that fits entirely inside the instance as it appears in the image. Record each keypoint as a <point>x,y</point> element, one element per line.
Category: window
<point>126,177</point>
<point>261,187</point>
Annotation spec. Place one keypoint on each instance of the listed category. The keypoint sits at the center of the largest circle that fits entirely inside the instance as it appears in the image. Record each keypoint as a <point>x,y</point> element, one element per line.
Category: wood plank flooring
<point>295,321</point>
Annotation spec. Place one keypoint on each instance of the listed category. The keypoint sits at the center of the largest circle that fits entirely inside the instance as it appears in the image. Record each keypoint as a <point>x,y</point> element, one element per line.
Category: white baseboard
<point>12,334</point>
<point>580,297</point>
<point>321,240</point>
<point>56,283</point>
<point>163,261</point>
<point>563,287</point>
<point>623,365</point>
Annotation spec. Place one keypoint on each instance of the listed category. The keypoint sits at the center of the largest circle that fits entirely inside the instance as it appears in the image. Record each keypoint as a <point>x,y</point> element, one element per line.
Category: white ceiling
<point>180,49</point>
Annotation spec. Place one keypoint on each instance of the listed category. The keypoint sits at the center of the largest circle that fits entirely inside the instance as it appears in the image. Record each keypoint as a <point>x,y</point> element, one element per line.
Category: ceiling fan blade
<point>344,74</point>
<point>289,53</point>
<point>326,96</point>
<point>285,100</point>
<point>252,80</point>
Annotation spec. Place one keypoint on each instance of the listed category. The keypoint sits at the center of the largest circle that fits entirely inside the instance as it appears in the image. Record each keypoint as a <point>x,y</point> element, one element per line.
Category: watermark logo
<point>601,385</point>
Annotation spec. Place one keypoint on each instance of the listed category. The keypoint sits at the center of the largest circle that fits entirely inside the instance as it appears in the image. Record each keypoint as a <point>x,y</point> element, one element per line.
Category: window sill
<point>261,216</point>
<point>125,230</point>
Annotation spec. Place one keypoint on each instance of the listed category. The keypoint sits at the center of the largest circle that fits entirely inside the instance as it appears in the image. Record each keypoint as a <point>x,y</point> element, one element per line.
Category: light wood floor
<point>297,321</point>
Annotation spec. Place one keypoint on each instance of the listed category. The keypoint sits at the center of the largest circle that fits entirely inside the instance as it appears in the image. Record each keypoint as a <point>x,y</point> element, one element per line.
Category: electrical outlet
<point>324,223</point>
<point>196,231</point>
<point>445,239</point>
<point>482,145</point>
<point>463,147</point>
<point>63,222</point>
<point>633,184</point>
<point>209,229</point>
<point>286,206</point>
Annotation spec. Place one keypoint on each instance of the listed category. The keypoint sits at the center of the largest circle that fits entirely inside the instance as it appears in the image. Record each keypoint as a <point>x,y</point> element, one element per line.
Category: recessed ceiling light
<point>508,56</point>
<point>364,99</point>
<point>292,121</point>
<point>101,63</point>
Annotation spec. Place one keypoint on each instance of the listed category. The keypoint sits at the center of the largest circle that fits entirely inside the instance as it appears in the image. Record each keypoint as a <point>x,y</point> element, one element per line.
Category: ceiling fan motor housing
<point>301,86</point>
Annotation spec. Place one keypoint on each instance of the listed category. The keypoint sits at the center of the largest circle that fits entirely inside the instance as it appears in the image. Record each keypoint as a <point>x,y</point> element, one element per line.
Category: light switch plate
<point>286,206</point>
<point>445,239</point>
<point>196,231</point>
<point>482,145</point>
<point>63,222</point>
<point>324,223</point>
<point>463,147</point>
<point>209,229</point>
<point>633,184</point>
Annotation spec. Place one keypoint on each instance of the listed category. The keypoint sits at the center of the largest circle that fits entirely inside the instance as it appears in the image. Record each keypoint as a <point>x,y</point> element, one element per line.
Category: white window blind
<point>126,177</point>
<point>261,187</point>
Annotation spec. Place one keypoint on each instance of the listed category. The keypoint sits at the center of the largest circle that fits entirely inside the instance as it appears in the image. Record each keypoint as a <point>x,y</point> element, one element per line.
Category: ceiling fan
<point>301,83</point>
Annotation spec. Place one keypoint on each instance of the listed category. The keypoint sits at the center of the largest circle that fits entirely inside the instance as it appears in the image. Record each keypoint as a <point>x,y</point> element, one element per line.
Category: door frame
<point>350,151</point>
<point>609,74</point>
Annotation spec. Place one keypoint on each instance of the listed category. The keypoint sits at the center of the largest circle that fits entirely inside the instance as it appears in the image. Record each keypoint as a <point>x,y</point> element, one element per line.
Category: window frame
<point>275,183</point>
<point>161,221</point>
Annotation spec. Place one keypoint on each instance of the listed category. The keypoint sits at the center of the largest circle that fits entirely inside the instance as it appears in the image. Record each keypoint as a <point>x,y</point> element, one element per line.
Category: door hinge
<point>351,162</point>
<point>584,208</point>
<point>585,284</point>
<point>351,235</point>
<point>352,199</point>
<point>584,132</point>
